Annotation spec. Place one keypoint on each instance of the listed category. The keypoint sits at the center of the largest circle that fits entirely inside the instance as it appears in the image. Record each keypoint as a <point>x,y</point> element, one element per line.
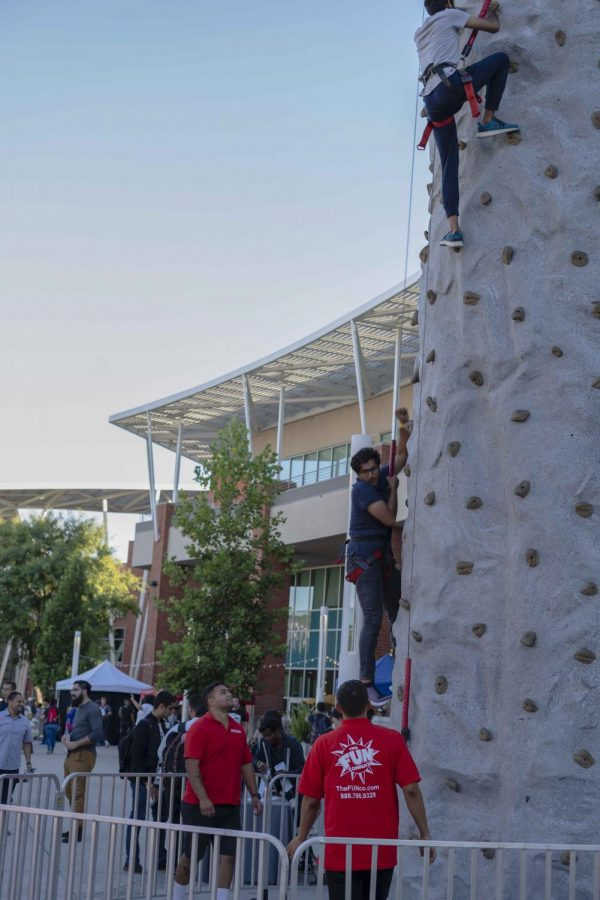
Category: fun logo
<point>356,758</point>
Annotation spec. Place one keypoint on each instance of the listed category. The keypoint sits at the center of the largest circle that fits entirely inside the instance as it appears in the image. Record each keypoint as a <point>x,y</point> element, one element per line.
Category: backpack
<point>320,724</point>
<point>173,759</point>
<point>126,749</point>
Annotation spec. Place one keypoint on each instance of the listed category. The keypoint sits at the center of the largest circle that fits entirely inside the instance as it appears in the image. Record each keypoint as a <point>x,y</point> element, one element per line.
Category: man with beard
<point>80,745</point>
<point>15,735</point>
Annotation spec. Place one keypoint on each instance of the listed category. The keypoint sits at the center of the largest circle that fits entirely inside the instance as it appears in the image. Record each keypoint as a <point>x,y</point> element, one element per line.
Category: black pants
<point>8,784</point>
<point>361,884</point>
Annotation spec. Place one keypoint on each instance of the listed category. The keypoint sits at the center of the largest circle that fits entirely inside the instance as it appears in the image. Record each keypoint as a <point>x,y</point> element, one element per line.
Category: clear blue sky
<point>185,186</point>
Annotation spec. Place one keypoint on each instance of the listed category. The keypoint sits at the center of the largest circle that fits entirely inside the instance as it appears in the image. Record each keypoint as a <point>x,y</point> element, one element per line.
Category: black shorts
<point>225,817</point>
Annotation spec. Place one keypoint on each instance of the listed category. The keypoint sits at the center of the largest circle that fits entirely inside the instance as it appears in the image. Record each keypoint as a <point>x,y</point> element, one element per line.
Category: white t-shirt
<point>438,41</point>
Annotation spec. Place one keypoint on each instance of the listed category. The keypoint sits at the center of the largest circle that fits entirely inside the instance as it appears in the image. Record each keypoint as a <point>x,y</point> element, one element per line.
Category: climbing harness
<point>439,69</point>
<point>362,565</point>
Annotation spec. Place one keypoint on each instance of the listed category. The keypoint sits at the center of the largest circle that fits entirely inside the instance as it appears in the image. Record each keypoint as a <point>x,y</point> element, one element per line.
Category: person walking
<point>15,736</point>
<point>51,725</point>
<point>80,743</point>
<point>106,713</point>
<point>146,739</point>
<point>357,769</point>
<point>216,755</point>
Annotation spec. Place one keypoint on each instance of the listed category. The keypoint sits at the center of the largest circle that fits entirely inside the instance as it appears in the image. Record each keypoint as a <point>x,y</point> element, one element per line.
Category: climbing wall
<point>501,569</point>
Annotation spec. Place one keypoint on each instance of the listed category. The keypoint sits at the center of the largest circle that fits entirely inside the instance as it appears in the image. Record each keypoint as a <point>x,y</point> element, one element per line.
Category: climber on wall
<point>438,46</point>
<point>370,563</point>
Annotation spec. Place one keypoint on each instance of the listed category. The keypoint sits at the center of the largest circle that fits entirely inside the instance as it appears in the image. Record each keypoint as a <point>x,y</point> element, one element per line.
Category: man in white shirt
<point>438,46</point>
<point>15,736</point>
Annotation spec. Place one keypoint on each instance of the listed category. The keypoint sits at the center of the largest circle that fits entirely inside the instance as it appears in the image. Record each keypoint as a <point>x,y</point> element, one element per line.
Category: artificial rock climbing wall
<point>501,571</point>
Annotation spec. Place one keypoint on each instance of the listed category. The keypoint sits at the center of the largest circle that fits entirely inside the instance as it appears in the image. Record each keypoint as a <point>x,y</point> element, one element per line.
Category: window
<point>318,465</point>
<point>119,638</point>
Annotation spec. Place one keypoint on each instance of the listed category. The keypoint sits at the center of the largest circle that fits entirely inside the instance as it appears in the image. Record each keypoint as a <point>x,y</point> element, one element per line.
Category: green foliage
<point>57,576</point>
<point>223,618</point>
<point>299,724</point>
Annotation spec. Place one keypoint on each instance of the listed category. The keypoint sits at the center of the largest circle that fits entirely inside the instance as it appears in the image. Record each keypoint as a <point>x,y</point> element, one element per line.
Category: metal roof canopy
<point>133,499</point>
<point>311,376</point>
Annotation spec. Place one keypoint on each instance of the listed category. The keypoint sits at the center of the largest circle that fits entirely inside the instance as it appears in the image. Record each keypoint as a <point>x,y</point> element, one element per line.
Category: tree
<point>501,549</point>
<point>56,576</point>
<point>225,618</point>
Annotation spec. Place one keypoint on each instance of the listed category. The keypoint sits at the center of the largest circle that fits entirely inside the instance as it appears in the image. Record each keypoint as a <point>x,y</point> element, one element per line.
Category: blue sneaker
<point>452,239</point>
<point>496,126</point>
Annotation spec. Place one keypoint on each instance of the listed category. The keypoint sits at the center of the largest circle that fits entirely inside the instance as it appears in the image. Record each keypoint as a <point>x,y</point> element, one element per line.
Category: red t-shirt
<point>356,769</point>
<point>221,753</point>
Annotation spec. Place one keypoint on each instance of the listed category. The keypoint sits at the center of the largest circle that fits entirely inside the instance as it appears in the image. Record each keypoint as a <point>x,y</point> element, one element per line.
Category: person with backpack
<point>278,753</point>
<point>171,760</point>
<point>138,752</point>
<point>319,722</point>
<point>51,725</point>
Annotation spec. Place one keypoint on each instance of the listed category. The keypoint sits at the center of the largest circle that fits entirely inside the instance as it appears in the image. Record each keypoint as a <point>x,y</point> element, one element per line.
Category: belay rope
<point>473,99</point>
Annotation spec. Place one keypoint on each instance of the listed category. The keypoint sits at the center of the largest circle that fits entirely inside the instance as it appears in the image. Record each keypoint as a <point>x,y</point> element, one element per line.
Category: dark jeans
<point>50,735</point>
<point>361,884</point>
<point>8,784</point>
<point>380,586</point>
<point>444,102</point>
<point>140,810</point>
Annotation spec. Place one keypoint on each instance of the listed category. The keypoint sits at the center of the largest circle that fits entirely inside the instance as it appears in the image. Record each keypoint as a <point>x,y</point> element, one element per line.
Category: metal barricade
<point>467,871</point>
<point>32,789</point>
<point>87,865</point>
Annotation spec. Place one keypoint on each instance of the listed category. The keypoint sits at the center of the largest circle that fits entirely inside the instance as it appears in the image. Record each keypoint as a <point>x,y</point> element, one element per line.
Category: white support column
<point>111,629</point>
<point>5,660</point>
<point>175,496</point>
<point>322,657</point>
<point>75,656</point>
<point>140,653</point>
<point>138,623</point>
<point>280,419</point>
<point>248,411</point>
<point>151,478</point>
<point>21,678</point>
<point>360,388</point>
<point>396,387</point>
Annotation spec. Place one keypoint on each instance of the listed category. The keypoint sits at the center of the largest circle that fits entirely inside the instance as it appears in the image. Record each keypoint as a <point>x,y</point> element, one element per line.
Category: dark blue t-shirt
<point>362,523</point>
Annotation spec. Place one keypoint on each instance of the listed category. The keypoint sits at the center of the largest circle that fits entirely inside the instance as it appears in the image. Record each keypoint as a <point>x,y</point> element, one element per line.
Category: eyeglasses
<point>370,470</point>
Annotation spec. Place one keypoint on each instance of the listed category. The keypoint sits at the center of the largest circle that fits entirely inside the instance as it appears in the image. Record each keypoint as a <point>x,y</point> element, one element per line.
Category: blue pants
<point>378,588</point>
<point>444,102</point>
<point>50,735</point>
<point>140,810</point>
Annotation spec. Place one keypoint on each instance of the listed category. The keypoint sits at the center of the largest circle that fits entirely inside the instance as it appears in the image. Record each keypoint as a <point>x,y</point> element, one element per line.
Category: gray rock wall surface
<point>531,675</point>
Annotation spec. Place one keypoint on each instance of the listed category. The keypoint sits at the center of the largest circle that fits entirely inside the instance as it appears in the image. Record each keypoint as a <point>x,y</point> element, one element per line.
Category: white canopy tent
<point>107,678</point>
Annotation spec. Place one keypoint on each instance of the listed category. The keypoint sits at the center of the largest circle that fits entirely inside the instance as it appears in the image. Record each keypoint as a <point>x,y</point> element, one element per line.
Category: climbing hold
<point>431,404</point>
<point>597,193</point>
<point>471,298</point>
<point>556,351</point>
<point>596,310</point>
<point>405,604</point>
<point>476,378</point>
<point>529,705</point>
<point>415,376</point>
<point>453,448</point>
<point>441,684</point>
<point>560,38</point>
<point>431,297</point>
<point>484,734</point>
<point>513,138</point>
<point>507,255</point>
<point>518,314</point>
<point>407,470</point>
<point>430,356</point>
<point>596,384</point>
<point>426,235</point>
<point>590,589</point>
<point>400,693</point>
<point>452,784</point>
<point>565,858</point>
<point>551,172</point>
<point>417,636</point>
<point>523,488</point>
<point>486,198</point>
<point>415,318</point>
<point>585,656</point>
<point>474,503</point>
<point>430,188</point>
<point>479,629</point>
<point>529,639</point>
<point>520,415</point>
<point>596,119</point>
<point>429,498</point>
<point>488,853</point>
<point>423,113</point>
<point>424,254</point>
<point>585,510</point>
<point>462,145</point>
<point>584,759</point>
<point>532,558</point>
<point>513,67</point>
<point>579,258</point>
<point>463,567</point>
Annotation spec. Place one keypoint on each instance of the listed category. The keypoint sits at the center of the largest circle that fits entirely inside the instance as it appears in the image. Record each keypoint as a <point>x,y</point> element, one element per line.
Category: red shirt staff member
<point>216,754</point>
<point>356,769</point>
